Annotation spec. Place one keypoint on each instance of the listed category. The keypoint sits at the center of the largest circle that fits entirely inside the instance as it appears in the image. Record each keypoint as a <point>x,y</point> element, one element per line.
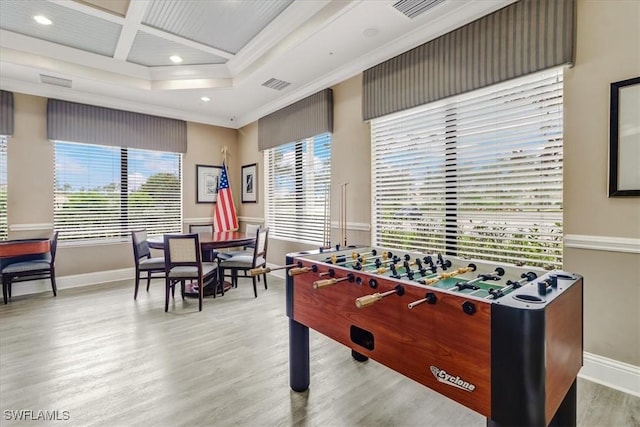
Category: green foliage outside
<point>105,212</point>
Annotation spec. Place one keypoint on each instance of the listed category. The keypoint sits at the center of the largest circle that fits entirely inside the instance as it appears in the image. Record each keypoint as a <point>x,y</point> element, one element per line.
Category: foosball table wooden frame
<point>512,356</point>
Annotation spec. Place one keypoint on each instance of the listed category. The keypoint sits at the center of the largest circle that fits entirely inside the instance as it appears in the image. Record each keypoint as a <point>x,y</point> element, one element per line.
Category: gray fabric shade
<point>522,38</point>
<point>73,122</point>
<point>6,113</point>
<point>308,117</point>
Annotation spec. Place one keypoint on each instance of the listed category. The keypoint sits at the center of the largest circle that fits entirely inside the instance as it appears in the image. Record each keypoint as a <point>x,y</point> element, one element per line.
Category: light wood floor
<point>111,361</point>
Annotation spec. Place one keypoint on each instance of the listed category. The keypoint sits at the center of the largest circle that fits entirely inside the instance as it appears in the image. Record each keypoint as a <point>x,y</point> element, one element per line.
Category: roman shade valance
<point>522,38</point>
<point>310,116</point>
<point>73,122</point>
<point>6,113</point>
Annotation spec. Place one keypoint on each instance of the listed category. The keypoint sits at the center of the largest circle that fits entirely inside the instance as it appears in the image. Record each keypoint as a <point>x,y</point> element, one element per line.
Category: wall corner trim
<point>611,373</point>
<point>602,243</point>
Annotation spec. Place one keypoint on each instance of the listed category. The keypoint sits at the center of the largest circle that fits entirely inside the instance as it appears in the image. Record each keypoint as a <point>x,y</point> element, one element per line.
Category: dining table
<point>211,241</point>
<point>18,250</point>
<point>209,245</point>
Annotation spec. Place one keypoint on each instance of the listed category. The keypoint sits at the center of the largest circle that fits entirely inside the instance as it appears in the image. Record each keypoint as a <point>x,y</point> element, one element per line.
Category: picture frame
<point>207,183</point>
<point>624,138</point>
<point>250,183</point>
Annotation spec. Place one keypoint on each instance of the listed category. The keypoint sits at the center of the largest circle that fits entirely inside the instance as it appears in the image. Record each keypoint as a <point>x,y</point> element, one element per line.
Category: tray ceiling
<point>116,53</point>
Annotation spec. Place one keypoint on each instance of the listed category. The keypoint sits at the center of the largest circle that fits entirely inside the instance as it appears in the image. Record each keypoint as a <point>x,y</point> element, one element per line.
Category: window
<point>477,175</point>
<point>298,184</point>
<point>105,192</point>
<point>4,226</point>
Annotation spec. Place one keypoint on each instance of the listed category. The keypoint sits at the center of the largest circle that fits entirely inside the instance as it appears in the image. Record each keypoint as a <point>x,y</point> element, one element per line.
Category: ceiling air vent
<point>413,8</point>
<point>56,81</point>
<point>276,84</point>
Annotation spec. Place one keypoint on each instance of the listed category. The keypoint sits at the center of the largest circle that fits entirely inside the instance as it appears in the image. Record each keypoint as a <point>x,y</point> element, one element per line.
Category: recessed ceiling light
<point>205,99</point>
<point>175,59</point>
<point>43,20</point>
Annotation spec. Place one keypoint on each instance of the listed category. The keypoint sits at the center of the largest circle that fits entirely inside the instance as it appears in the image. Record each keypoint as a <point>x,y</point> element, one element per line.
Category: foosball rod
<point>495,275</point>
<point>302,270</point>
<point>263,270</point>
<point>391,259</point>
<point>335,260</point>
<point>430,297</point>
<point>368,300</point>
<point>526,278</point>
<point>456,272</point>
<point>328,282</point>
<point>374,252</point>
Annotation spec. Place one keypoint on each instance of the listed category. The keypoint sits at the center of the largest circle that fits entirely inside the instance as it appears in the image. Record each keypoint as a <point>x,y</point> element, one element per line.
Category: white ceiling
<point>115,53</point>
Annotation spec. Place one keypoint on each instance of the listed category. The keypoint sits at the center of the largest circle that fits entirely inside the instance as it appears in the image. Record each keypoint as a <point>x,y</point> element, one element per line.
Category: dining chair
<point>32,267</point>
<point>183,261</point>
<point>250,230</point>
<point>152,267</point>
<point>245,262</point>
<point>209,255</point>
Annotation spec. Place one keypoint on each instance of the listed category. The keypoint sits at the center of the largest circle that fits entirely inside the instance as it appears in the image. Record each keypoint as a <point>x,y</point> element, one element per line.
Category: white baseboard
<point>611,373</point>
<point>598,369</point>
<point>73,281</point>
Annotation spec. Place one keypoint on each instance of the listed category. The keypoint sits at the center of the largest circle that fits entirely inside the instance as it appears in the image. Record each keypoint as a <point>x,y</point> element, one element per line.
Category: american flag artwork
<point>224,217</point>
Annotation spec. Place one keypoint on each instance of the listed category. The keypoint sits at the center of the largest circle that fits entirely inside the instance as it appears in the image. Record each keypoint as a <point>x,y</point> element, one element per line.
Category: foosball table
<point>503,341</point>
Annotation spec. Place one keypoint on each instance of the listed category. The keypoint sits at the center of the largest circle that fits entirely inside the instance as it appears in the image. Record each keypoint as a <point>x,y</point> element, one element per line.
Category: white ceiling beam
<point>130,28</point>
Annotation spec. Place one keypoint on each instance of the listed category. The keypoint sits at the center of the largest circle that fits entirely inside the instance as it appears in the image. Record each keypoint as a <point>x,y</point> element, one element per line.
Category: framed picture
<point>624,138</point>
<point>207,182</point>
<point>250,183</point>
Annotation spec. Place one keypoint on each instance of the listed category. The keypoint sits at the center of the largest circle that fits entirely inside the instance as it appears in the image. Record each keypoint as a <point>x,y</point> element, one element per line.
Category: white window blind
<point>298,180</point>
<point>105,192</point>
<point>4,226</point>
<point>477,175</point>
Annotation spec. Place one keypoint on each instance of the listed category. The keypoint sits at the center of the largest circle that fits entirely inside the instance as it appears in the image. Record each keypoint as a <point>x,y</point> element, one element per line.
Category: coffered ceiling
<point>248,57</point>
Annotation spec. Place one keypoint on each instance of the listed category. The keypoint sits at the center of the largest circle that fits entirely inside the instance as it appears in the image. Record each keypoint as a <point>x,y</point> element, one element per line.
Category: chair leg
<point>52,272</point>
<point>200,293</point>
<point>255,290</point>
<point>148,280</point>
<point>167,285</point>
<point>4,289</point>
<point>221,284</point>
<point>265,280</point>
<point>135,290</point>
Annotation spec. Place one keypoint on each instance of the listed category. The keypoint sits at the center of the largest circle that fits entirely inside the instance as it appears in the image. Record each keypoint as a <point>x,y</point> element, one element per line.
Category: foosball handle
<point>260,270</point>
<point>299,270</point>
<point>322,283</point>
<point>368,300</point>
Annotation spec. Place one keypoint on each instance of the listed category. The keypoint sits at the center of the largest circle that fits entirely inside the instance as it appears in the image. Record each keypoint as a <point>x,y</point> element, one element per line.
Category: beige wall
<point>30,171</point>
<point>608,50</point>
